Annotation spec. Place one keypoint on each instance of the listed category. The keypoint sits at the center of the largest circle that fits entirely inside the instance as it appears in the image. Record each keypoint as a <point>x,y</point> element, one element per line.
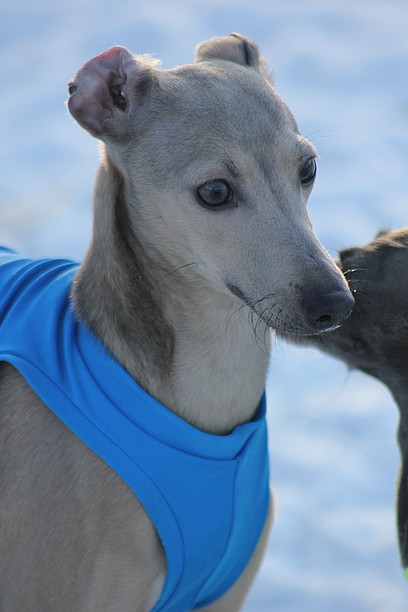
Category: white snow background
<point>342,67</point>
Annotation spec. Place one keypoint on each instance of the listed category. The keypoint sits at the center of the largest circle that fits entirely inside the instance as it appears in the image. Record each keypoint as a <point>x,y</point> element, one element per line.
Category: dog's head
<point>213,155</point>
<point>375,337</point>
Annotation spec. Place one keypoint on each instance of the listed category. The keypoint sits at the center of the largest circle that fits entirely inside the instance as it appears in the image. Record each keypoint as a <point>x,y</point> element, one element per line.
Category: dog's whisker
<point>193,263</point>
<point>363,271</point>
<point>149,219</point>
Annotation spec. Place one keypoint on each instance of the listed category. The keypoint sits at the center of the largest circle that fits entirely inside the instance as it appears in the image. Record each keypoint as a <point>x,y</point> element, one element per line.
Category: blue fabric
<point>207,495</point>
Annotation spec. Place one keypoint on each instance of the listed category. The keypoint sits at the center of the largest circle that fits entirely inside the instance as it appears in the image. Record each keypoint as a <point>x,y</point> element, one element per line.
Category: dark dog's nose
<point>328,311</point>
<point>347,253</point>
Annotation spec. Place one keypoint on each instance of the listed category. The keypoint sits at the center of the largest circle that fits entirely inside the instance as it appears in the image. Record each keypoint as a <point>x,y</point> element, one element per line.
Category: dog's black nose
<point>346,253</point>
<point>328,311</point>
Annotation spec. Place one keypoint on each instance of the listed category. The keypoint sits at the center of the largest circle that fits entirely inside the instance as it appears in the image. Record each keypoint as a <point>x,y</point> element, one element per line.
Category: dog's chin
<point>303,337</point>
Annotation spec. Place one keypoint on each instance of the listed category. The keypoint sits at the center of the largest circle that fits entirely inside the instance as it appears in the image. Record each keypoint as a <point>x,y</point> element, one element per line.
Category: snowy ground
<point>343,68</point>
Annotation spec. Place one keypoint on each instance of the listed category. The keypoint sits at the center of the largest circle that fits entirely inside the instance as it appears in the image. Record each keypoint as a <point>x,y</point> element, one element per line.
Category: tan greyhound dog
<point>201,244</point>
<point>375,337</point>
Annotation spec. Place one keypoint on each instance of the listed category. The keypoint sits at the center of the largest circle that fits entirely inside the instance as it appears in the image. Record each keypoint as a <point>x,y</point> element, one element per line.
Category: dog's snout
<point>328,311</point>
<point>347,253</point>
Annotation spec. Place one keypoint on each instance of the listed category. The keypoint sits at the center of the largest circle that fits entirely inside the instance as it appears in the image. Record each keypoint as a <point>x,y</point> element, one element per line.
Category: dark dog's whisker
<point>361,271</point>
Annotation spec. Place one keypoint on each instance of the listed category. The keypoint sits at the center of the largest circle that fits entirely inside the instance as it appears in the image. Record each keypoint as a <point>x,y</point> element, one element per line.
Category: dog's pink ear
<point>101,88</point>
<point>233,48</point>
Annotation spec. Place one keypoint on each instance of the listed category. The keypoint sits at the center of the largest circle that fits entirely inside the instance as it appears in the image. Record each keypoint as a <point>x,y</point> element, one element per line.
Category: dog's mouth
<point>238,293</point>
<point>316,315</point>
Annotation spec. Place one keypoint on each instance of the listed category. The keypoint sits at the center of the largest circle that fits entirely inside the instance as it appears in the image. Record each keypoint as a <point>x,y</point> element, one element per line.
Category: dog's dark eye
<point>215,193</point>
<point>308,172</point>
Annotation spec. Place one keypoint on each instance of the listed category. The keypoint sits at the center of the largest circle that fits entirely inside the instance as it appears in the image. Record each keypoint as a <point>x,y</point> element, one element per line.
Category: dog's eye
<point>215,193</point>
<point>308,172</point>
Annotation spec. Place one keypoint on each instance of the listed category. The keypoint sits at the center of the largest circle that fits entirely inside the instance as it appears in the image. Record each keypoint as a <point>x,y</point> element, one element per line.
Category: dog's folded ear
<point>232,48</point>
<point>100,94</point>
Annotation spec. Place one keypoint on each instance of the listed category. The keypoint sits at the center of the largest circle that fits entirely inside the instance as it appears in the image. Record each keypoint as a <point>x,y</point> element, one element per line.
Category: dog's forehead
<point>394,238</point>
<point>224,95</point>
<point>205,111</point>
<point>387,249</point>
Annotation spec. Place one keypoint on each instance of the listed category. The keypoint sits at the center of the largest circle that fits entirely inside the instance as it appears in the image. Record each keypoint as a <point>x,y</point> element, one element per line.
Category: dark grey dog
<point>375,337</point>
<point>201,243</point>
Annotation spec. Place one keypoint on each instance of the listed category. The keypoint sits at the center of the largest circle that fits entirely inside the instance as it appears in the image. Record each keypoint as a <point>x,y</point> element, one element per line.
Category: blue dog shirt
<point>207,495</point>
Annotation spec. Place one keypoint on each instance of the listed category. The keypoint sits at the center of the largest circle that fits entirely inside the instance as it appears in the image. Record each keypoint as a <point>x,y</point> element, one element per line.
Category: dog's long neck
<point>190,347</point>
